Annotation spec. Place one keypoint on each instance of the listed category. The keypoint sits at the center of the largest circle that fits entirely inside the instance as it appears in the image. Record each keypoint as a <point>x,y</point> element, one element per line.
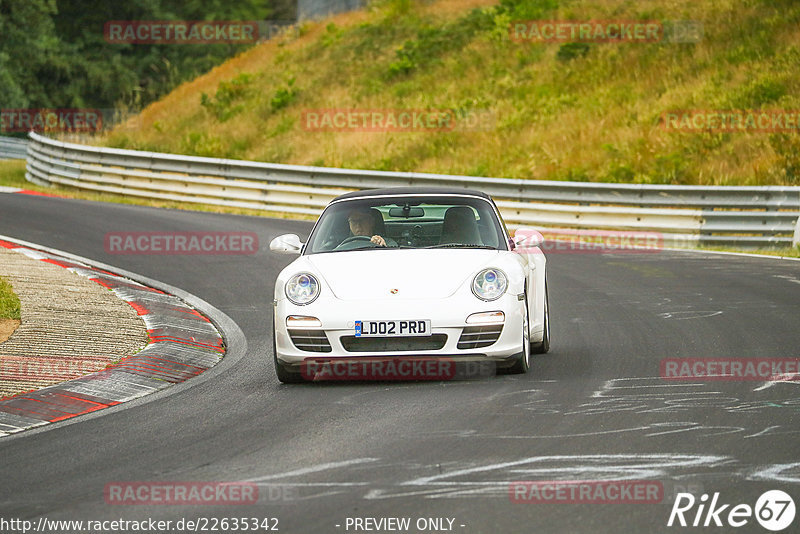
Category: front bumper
<point>448,318</point>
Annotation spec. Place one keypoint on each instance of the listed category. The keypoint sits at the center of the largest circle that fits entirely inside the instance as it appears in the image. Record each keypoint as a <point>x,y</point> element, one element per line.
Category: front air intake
<point>310,340</point>
<point>393,344</point>
<point>475,337</point>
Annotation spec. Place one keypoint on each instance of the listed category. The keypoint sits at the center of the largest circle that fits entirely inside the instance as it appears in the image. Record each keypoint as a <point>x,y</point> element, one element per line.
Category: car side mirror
<point>286,244</point>
<point>528,238</point>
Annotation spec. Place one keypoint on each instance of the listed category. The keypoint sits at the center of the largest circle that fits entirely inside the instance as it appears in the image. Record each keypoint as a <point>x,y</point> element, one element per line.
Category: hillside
<point>543,110</point>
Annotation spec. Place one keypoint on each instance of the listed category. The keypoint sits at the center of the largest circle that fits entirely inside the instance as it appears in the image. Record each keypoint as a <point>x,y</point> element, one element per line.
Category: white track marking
<point>560,467</point>
<point>314,469</point>
<point>776,473</point>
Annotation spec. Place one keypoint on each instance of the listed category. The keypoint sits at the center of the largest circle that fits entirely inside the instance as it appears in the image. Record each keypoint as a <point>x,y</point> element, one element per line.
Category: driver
<point>362,223</point>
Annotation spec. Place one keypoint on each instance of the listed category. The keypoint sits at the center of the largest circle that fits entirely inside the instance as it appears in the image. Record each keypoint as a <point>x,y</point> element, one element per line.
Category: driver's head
<point>362,222</point>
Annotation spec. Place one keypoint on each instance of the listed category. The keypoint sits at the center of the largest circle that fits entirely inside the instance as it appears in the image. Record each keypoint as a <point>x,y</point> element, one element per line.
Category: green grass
<point>562,111</point>
<point>9,302</point>
<point>12,174</point>
<point>783,252</point>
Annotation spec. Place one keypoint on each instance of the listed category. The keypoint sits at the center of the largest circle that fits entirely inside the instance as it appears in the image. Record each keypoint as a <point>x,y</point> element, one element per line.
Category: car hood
<point>413,274</point>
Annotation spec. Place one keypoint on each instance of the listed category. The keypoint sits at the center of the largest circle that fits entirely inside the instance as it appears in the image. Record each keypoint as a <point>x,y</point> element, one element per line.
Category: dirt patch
<point>7,327</point>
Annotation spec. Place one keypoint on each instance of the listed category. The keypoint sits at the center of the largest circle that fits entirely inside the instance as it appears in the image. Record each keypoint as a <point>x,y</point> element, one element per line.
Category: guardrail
<point>684,215</point>
<point>309,9</point>
<point>13,148</point>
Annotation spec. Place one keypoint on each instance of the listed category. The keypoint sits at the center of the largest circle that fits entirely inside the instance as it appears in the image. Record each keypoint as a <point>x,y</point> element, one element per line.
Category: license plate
<point>410,327</point>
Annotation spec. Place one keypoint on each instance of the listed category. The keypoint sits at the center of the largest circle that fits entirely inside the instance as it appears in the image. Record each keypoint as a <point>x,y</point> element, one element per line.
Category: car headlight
<point>490,284</point>
<point>302,289</point>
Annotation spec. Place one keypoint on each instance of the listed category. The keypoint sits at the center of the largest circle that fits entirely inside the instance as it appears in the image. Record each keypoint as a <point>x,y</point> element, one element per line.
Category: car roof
<point>400,191</point>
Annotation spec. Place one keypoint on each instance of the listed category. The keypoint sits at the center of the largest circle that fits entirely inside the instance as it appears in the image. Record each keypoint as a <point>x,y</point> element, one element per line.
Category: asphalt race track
<point>595,407</point>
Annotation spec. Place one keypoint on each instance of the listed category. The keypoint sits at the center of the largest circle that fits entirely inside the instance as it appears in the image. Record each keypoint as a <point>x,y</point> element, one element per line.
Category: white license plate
<point>410,327</point>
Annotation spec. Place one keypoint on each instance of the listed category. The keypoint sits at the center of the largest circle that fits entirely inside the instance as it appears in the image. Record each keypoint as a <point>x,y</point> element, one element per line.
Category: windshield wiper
<point>461,245</point>
<point>373,247</point>
<point>407,247</point>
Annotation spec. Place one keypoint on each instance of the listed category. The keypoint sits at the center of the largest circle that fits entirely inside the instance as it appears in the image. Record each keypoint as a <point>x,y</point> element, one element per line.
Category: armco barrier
<point>311,9</point>
<point>742,216</point>
<point>13,148</point>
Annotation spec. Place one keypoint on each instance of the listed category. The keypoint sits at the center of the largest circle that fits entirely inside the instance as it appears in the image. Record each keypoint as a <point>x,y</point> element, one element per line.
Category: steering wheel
<point>354,238</point>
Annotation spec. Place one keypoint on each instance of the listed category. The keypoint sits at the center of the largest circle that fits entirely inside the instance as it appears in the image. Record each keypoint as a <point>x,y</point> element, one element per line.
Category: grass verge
<point>9,302</point>
<point>784,252</point>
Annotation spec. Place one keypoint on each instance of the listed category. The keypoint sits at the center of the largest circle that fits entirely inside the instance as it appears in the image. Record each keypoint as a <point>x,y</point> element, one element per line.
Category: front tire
<point>544,346</point>
<point>284,375</point>
<point>523,362</point>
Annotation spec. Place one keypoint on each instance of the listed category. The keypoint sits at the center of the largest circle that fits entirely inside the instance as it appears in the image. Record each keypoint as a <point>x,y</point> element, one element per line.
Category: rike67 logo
<point>774,510</point>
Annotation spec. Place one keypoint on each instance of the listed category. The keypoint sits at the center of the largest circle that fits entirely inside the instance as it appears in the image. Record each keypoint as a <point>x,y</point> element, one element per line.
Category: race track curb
<point>183,343</point>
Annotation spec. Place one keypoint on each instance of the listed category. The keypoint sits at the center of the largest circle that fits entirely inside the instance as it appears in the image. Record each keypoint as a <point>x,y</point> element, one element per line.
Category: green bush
<point>528,9</point>
<point>433,42</point>
<point>221,105</point>
<point>284,96</point>
<point>9,302</point>
<point>568,51</point>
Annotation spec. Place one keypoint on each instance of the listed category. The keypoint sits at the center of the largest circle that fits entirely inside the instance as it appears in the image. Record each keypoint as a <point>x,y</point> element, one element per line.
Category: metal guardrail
<point>310,9</point>
<point>13,148</point>
<point>684,215</point>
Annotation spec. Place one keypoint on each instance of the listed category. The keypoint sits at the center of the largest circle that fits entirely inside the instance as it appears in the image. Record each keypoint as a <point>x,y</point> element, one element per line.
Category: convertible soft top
<point>398,191</point>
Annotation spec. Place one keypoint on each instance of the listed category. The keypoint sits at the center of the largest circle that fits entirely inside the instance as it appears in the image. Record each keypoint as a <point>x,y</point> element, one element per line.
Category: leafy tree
<point>29,51</point>
<point>53,53</point>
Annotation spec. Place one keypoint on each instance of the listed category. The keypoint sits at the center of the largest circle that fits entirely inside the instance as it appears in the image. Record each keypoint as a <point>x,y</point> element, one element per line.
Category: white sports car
<point>406,274</point>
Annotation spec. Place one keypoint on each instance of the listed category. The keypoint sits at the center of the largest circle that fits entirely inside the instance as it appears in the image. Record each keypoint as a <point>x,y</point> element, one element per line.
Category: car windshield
<point>407,222</point>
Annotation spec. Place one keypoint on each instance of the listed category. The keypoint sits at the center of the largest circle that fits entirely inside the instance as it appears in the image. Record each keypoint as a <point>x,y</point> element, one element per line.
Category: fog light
<point>301,321</point>
<point>486,318</point>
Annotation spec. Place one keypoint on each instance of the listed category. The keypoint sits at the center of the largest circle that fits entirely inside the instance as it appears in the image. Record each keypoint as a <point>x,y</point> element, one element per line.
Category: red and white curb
<point>183,343</point>
<point>6,189</point>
